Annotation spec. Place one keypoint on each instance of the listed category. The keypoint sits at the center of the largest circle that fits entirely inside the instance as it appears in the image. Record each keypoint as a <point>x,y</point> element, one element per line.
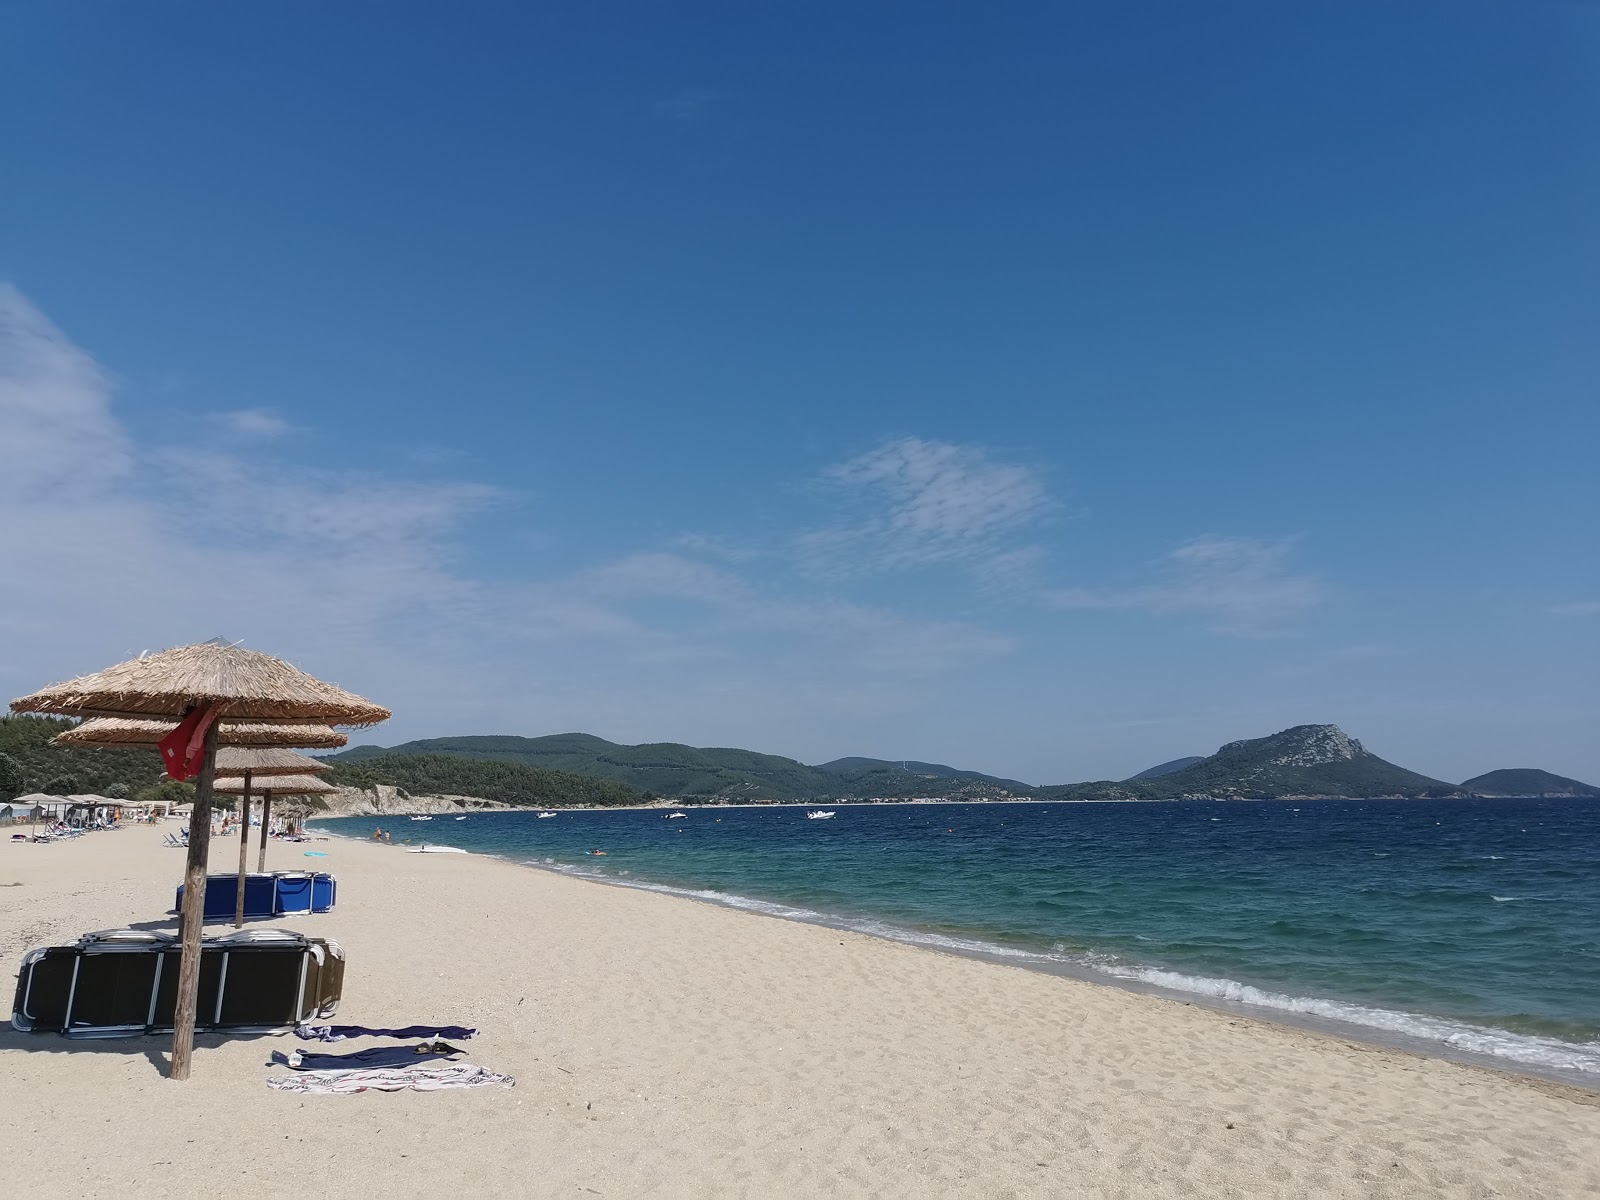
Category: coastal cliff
<point>382,800</point>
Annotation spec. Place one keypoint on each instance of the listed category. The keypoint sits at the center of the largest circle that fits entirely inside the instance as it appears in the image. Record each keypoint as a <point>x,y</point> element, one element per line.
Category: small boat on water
<point>545,814</point>
<point>675,816</point>
<point>461,818</point>
<point>818,815</point>
<point>422,818</point>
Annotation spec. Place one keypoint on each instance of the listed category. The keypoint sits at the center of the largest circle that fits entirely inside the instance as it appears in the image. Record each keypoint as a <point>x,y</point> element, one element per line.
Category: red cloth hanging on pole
<point>181,750</point>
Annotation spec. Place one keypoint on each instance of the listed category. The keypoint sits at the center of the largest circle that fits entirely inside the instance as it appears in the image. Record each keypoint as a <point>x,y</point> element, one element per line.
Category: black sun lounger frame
<point>124,982</point>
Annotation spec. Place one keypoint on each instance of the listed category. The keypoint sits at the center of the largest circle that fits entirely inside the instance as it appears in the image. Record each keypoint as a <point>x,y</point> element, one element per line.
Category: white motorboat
<point>461,818</point>
<point>422,818</point>
<point>819,815</point>
<point>675,816</point>
<point>543,815</point>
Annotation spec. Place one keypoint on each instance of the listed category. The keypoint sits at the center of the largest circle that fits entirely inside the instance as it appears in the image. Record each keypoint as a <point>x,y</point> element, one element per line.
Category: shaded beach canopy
<point>266,760</point>
<point>245,684</point>
<point>127,731</point>
<point>278,785</point>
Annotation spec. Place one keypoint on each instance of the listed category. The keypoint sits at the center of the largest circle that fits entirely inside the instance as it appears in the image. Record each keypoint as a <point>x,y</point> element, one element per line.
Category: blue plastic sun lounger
<point>294,894</point>
<point>278,894</point>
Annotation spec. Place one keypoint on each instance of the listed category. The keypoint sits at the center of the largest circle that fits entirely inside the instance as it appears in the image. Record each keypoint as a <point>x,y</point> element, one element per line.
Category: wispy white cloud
<point>1237,584</point>
<point>662,575</point>
<point>710,545</point>
<point>256,424</point>
<point>1576,608</point>
<point>858,637</point>
<point>59,439</point>
<point>917,503</point>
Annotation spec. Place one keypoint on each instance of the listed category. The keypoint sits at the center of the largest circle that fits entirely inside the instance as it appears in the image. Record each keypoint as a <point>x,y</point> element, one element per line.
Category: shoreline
<point>660,1046</point>
<point>857,802</point>
<point>1326,1026</point>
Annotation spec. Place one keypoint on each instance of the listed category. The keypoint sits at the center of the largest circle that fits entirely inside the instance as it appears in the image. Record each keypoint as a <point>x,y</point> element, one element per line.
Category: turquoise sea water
<point>1467,925</point>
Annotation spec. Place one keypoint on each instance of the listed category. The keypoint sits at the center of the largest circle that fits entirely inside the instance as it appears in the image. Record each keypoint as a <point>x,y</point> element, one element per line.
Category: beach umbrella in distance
<point>260,767</point>
<point>282,785</point>
<point>269,771</point>
<point>200,686</point>
<point>262,755</point>
<point>295,785</point>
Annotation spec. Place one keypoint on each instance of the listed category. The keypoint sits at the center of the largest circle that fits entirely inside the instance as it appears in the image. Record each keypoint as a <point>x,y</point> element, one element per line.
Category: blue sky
<point>1049,389</point>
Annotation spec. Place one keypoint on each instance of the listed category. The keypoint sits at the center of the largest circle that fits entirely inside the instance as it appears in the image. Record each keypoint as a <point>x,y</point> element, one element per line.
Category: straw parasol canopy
<point>281,785</point>
<point>240,683</point>
<point>267,760</point>
<point>126,731</point>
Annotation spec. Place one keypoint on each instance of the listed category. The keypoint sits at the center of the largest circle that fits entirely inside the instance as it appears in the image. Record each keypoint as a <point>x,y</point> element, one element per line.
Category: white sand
<point>664,1047</point>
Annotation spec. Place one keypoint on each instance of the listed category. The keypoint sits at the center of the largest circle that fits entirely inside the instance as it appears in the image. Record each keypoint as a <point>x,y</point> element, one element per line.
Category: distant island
<point>579,769</point>
<point>1525,781</point>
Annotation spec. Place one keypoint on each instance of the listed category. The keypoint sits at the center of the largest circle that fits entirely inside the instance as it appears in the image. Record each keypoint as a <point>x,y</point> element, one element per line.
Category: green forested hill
<point>863,766</point>
<point>665,768</point>
<point>719,774</point>
<point>68,770</point>
<point>489,779</point>
<point>1167,768</point>
<point>1307,760</point>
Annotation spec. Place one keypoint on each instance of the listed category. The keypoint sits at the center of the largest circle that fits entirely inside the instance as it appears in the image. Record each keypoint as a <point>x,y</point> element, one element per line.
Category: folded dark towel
<point>376,1056</point>
<point>338,1033</point>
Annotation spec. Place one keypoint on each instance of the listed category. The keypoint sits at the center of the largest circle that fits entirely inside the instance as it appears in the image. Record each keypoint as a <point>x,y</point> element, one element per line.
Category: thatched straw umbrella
<point>270,763</point>
<point>279,785</point>
<point>277,768</point>
<point>225,683</point>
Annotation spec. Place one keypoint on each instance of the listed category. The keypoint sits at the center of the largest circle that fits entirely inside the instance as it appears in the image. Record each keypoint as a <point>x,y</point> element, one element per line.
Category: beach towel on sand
<point>416,1079</point>
<point>338,1033</point>
<point>377,1056</point>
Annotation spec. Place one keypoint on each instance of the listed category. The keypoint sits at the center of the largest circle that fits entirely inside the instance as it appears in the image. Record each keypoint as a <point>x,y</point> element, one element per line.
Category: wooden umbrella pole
<point>266,813</point>
<point>194,900</point>
<point>244,846</point>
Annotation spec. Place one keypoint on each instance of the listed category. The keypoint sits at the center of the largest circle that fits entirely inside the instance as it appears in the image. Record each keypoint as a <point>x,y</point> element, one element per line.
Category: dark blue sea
<point>1468,926</point>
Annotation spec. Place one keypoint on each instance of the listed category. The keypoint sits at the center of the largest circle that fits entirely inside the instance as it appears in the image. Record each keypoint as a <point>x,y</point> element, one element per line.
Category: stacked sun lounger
<point>125,981</point>
<point>278,894</point>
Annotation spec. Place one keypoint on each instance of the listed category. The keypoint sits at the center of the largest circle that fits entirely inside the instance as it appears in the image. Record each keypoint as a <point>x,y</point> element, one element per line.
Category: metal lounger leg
<point>222,989</point>
<point>155,991</point>
<point>300,994</point>
<point>72,994</point>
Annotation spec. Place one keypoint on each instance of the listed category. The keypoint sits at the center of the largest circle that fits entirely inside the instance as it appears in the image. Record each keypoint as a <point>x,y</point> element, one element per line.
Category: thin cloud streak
<point>1240,585</point>
<point>919,503</point>
<point>256,424</point>
<point>1577,608</point>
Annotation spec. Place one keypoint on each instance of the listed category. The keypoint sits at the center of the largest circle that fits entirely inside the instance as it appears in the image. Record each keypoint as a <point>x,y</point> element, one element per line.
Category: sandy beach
<point>665,1047</point>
